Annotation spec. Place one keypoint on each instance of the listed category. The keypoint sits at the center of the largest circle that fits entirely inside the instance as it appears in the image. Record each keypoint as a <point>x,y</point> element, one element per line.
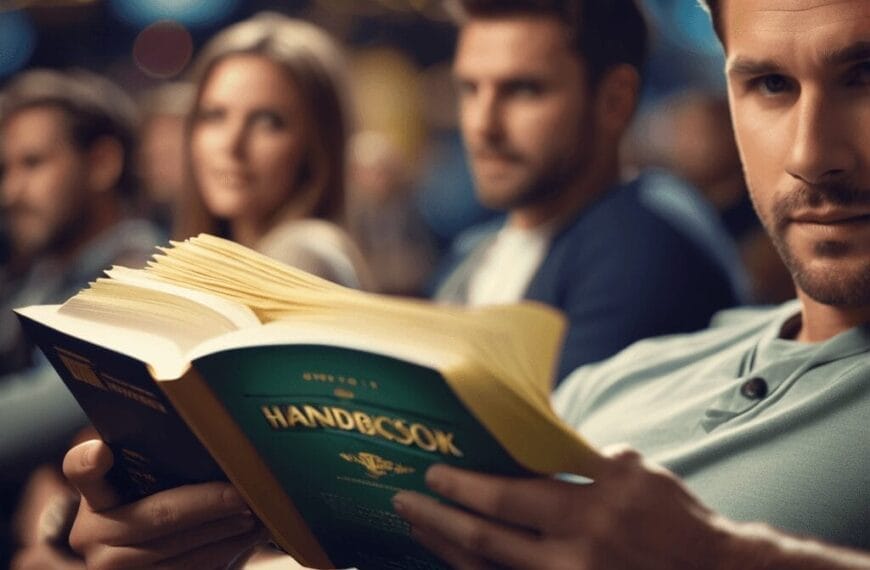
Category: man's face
<point>799,84</point>
<point>525,109</point>
<point>43,183</point>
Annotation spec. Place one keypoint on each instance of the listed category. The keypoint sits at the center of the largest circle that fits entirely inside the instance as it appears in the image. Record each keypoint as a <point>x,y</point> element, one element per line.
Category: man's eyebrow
<point>849,54</point>
<point>747,66</point>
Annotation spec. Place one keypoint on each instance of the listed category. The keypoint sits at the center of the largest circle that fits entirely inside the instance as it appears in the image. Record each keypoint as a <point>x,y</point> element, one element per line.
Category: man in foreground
<point>546,91</point>
<point>771,434</point>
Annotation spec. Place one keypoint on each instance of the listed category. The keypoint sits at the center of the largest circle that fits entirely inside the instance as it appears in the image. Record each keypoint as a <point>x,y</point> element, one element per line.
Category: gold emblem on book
<point>79,367</point>
<point>375,465</point>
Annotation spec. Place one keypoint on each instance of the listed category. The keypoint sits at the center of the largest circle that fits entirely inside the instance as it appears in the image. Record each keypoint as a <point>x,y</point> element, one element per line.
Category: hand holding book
<point>635,516</point>
<point>195,526</point>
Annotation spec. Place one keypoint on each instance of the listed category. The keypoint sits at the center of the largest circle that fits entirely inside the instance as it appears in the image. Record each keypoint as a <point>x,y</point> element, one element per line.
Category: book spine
<point>228,444</point>
<point>152,447</point>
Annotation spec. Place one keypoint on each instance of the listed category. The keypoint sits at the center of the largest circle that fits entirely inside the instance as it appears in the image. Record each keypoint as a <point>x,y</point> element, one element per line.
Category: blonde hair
<point>314,64</point>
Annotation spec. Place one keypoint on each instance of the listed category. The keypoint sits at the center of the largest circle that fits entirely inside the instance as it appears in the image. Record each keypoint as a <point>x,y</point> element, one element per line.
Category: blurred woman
<point>266,147</point>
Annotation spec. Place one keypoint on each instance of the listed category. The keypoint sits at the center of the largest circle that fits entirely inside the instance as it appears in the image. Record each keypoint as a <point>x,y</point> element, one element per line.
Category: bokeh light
<point>192,13</point>
<point>163,49</point>
<point>17,41</point>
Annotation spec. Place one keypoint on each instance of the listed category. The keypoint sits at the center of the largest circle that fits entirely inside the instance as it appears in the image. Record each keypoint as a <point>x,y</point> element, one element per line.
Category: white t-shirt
<point>508,265</point>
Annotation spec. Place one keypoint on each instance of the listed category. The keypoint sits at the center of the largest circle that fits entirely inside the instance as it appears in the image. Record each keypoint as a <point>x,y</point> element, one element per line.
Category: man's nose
<point>11,188</point>
<point>824,144</point>
<point>486,119</point>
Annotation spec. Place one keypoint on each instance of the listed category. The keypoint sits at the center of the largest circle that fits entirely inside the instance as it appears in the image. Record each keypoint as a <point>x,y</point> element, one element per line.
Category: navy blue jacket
<point>647,258</point>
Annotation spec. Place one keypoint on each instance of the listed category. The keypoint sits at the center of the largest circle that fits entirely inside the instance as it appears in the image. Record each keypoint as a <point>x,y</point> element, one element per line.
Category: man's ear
<point>106,162</point>
<point>617,96</point>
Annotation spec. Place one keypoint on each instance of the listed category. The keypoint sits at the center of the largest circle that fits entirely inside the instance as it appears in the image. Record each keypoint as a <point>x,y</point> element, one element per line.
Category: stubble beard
<point>29,243</point>
<point>61,234</point>
<point>535,189</point>
<point>538,185</point>
<point>847,288</point>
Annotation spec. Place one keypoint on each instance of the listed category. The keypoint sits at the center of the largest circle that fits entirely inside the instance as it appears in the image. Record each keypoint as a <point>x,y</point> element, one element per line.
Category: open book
<point>317,401</point>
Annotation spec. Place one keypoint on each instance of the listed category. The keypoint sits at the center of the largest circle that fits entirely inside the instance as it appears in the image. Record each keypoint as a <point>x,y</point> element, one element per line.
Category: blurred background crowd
<point>405,154</point>
<point>408,193</point>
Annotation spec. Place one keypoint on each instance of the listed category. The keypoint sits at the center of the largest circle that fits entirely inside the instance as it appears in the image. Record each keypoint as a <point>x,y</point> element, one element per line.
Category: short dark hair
<point>713,8</point>
<point>93,106</point>
<point>605,33</point>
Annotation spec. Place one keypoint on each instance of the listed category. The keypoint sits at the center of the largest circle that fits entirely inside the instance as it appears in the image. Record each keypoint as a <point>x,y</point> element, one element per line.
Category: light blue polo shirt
<point>760,428</point>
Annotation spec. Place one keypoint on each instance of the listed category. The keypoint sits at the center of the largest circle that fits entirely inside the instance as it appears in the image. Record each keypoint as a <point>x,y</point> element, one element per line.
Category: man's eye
<point>859,76</point>
<point>771,84</point>
<point>526,89</point>
<point>32,161</point>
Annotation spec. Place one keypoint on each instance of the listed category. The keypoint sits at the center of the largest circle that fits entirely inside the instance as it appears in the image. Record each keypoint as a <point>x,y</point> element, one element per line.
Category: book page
<point>240,316</point>
<point>156,350</point>
<point>131,300</point>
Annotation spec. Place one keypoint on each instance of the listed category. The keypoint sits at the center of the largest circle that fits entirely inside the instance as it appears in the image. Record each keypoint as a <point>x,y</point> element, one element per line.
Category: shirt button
<point>754,388</point>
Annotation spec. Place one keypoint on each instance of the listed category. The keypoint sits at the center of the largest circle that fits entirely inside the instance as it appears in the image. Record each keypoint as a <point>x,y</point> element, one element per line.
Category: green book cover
<point>343,431</point>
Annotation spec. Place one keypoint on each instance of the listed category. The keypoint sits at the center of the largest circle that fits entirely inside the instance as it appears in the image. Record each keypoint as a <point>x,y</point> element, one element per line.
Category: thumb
<point>86,466</point>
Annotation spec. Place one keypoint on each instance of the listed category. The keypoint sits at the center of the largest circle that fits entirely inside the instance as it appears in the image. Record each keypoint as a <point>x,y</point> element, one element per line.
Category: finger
<point>469,533</point>
<point>537,503</point>
<point>85,466</point>
<point>622,457</point>
<point>147,554</point>
<point>44,557</point>
<point>222,554</point>
<point>165,514</point>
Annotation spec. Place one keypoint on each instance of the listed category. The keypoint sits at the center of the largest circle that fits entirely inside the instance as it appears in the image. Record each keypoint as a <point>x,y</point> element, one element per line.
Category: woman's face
<point>248,139</point>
